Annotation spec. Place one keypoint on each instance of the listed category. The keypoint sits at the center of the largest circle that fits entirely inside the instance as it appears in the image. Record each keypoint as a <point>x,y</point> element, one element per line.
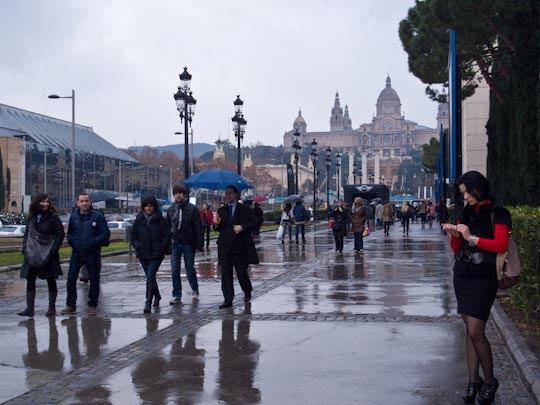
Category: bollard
<point>127,237</point>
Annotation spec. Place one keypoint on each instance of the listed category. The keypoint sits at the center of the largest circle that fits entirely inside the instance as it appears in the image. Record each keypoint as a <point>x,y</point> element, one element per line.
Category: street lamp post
<point>185,104</point>
<point>338,167</point>
<point>297,148</point>
<point>239,128</point>
<point>355,171</point>
<point>328,162</point>
<point>72,97</point>
<point>314,155</point>
<point>128,183</point>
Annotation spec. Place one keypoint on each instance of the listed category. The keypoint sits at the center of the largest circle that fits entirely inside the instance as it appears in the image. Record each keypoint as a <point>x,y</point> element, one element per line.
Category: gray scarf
<point>177,217</point>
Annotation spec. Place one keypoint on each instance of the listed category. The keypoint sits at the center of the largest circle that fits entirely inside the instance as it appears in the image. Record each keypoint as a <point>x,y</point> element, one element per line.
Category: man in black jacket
<point>187,231</point>
<point>236,249</point>
<point>87,232</point>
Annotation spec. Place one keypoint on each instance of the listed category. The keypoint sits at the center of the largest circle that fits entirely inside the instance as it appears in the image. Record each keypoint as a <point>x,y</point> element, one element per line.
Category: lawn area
<point>13,258</point>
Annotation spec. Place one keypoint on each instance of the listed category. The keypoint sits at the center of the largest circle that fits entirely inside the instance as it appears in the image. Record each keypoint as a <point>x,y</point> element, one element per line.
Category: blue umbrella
<point>217,179</point>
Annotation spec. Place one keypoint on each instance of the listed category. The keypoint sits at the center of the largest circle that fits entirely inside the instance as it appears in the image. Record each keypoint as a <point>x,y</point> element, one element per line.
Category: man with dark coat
<point>235,245</point>
<point>87,233</point>
<point>184,220</point>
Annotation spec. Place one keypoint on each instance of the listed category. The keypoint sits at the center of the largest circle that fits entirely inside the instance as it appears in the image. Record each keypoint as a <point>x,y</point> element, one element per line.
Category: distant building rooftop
<point>15,122</point>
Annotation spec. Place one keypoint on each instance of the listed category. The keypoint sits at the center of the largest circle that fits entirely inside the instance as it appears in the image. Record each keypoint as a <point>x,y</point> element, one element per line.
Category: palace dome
<point>388,95</point>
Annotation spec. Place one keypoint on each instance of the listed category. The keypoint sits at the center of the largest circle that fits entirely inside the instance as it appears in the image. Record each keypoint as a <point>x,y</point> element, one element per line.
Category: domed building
<point>383,143</point>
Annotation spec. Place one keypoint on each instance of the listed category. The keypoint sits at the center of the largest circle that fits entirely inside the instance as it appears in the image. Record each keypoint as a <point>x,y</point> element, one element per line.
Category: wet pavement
<point>373,328</point>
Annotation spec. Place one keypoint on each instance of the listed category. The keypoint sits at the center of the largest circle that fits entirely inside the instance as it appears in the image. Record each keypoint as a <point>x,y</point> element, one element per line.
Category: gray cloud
<point>123,59</point>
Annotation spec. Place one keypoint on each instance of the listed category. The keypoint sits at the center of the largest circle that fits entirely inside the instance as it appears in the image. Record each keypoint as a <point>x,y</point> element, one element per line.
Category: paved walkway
<point>372,328</point>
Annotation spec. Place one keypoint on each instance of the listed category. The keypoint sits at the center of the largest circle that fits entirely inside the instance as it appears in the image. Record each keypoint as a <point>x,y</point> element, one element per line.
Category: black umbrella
<point>98,196</point>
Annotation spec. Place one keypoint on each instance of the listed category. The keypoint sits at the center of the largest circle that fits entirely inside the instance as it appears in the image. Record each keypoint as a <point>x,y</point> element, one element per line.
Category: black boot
<point>148,297</point>
<point>156,294</point>
<point>30,297</point>
<point>52,303</point>
<point>487,393</point>
<point>472,390</point>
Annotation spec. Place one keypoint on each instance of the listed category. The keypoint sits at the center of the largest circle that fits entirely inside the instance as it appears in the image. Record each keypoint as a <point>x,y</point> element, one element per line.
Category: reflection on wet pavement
<point>41,348</point>
<point>373,328</point>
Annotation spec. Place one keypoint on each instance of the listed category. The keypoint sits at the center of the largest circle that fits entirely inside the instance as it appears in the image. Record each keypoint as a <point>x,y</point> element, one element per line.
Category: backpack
<point>507,263</point>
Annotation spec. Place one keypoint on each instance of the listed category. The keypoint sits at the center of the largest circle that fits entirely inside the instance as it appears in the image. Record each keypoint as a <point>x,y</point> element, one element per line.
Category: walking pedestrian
<point>301,216</point>
<point>87,233</point>
<point>406,215</point>
<point>357,216</point>
<point>378,214</point>
<point>387,214</point>
<point>186,227</point>
<point>481,232</point>
<point>207,218</point>
<point>286,221</point>
<point>151,239</point>
<point>339,227</point>
<point>43,221</point>
<point>431,214</point>
<point>236,248</point>
<point>259,218</point>
<point>422,212</point>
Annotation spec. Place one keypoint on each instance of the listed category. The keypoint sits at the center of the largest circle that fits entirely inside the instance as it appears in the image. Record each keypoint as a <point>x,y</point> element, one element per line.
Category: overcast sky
<point>123,58</point>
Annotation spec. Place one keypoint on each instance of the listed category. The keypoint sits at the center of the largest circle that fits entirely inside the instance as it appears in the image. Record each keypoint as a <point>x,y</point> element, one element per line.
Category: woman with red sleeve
<point>482,232</point>
<point>207,218</point>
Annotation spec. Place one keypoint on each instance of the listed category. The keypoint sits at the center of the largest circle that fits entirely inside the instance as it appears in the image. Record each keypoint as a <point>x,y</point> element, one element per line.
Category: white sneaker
<point>175,300</point>
<point>195,294</point>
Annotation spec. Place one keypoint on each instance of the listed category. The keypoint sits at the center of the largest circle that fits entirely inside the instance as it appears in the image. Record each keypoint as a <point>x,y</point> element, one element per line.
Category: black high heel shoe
<point>472,390</point>
<point>487,393</point>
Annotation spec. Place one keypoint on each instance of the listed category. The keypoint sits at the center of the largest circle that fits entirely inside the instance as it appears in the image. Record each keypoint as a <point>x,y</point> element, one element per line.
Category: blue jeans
<point>93,266</point>
<point>287,227</point>
<point>358,240</point>
<point>300,228</point>
<point>150,268</point>
<point>179,249</point>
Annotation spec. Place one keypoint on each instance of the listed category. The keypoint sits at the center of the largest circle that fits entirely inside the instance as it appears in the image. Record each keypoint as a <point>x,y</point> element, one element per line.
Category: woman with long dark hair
<point>481,232</point>
<point>339,227</point>
<point>151,239</point>
<point>42,217</point>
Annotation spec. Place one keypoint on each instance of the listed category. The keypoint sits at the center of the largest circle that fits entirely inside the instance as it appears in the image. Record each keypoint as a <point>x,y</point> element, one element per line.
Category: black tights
<point>478,350</point>
<point>31,284</point>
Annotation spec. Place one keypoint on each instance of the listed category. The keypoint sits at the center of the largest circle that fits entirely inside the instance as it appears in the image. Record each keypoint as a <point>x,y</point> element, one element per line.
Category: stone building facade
<point>379,146</point>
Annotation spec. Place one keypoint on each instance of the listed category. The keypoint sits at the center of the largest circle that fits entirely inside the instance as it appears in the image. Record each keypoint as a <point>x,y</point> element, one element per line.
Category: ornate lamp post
<point>338,167</point>
<point>72,97</point>
<point>355,171</point>
<point>297,148</point>
<point>328,161</point>
<point>314,155</point>
<point>239,127</point>
<point>185,104</point>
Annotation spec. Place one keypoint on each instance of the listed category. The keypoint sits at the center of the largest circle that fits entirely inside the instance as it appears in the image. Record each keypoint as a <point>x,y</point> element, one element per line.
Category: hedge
<point>525,225</point>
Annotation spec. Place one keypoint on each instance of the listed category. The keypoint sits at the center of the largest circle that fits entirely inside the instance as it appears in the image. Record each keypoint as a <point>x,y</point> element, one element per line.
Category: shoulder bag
<point>507,263</point>
<point>38,247</point>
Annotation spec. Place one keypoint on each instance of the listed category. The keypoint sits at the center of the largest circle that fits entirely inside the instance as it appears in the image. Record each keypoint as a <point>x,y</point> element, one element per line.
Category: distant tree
<point>430,152</point>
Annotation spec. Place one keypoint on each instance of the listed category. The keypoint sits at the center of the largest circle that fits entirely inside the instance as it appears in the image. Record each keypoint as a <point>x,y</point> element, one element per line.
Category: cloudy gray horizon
<point>123,59</point>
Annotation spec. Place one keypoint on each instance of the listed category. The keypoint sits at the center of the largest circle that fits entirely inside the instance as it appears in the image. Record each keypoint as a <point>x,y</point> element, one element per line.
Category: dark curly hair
<point>34,208</point>
<point>150,200</point>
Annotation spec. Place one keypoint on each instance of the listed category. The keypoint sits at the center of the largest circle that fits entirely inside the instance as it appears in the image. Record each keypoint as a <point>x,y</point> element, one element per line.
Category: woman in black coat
<point>151,238</point>
<point>339,228</point>
<point>42,216</point>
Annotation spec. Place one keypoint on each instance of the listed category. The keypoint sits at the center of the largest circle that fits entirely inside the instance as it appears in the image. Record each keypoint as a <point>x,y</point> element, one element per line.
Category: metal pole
<point>120,183</point>
<point>296,164</point>
<point>186,143</point>
<point>238,153</point>
<point>314,188</point>
<point>327,186</point>
<point>74,197</point>
<point>338,187</point>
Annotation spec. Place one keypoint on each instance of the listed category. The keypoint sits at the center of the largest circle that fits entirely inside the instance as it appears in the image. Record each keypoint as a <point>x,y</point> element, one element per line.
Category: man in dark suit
<point>235,222</point>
